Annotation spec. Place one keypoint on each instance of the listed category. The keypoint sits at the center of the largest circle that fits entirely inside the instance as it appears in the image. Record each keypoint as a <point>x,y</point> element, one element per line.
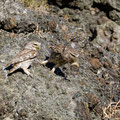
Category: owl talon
<point>27,72</point>
<point>31,75</point>
<point>51,72</point>
<point>44,62</point>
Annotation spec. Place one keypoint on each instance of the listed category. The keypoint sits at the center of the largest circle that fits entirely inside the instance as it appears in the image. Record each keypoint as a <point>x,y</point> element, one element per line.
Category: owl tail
<point>15,67</point>
<point>8,67</point>
<point>50,46</point>
<point>75,64</point>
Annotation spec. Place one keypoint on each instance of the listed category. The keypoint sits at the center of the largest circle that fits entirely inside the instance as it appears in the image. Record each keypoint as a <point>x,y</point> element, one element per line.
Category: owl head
<point>33,45</point>
<point>72,56</point>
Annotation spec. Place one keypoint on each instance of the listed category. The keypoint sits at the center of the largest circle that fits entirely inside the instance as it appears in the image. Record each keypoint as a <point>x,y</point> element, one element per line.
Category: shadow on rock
<point>18,70</point>
<point>57,71</point>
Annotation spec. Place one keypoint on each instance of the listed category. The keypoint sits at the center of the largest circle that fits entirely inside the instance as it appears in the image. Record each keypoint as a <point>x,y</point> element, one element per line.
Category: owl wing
<point>24,55</point>
<point>57,49</point>
<point>70,54</point>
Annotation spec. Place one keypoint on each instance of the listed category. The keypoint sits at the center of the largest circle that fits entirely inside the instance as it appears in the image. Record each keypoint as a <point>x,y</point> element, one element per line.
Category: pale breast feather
<point>24,55</point>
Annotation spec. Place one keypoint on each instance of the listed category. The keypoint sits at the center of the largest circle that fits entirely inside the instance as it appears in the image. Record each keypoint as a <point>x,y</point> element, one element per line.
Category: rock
<point>10,24</point>
<point>52,26</point>
<point>64,28</point>
<point>5,108</point>
<point>106,65</point>
<point>96,64</point>
<point>79,4</point>
<point>63,95</point>
<point>102,81</point>
<point>94,11</point>
<point>98,110</point>
<point>22,114</point>
<point>17,18</point>
<point>76,18</point>
<point>92,100</point>
<point>102,20</point>
<point>114,3</point>
<point>115,16</point>
<point>82,111</point>
<point>108,36</point>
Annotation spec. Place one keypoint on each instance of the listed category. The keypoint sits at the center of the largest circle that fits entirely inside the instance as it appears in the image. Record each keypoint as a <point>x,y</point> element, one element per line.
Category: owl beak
<point>37,47</point>
<point>75,64</point>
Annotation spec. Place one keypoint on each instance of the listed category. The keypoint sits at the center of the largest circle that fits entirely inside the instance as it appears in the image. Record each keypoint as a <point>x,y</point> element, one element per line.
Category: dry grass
<point>30,3</point>
<point>112,111</point>
<point>36,4</point>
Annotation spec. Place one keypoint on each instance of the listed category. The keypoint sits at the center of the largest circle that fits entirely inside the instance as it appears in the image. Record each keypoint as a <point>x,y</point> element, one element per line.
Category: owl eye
<point>35,44</point>
<point>72,55</point>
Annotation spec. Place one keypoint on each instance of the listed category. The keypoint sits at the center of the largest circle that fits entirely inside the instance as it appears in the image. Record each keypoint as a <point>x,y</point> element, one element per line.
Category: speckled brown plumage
<point>25,58</point>
<point>61,55</point>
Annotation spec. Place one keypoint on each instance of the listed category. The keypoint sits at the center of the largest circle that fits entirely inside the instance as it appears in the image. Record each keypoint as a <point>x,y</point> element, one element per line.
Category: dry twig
<point>112,111</point>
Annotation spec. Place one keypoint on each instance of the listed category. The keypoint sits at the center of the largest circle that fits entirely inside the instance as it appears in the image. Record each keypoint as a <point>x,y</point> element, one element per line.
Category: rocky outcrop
<point>113,3</point>
<point>81,4</point>
<point>75,4</point>
<point>115,16</point>
<point>110,7</point>
<point>13,18</point>
<point>108,35</point>
<point>69,94</point>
